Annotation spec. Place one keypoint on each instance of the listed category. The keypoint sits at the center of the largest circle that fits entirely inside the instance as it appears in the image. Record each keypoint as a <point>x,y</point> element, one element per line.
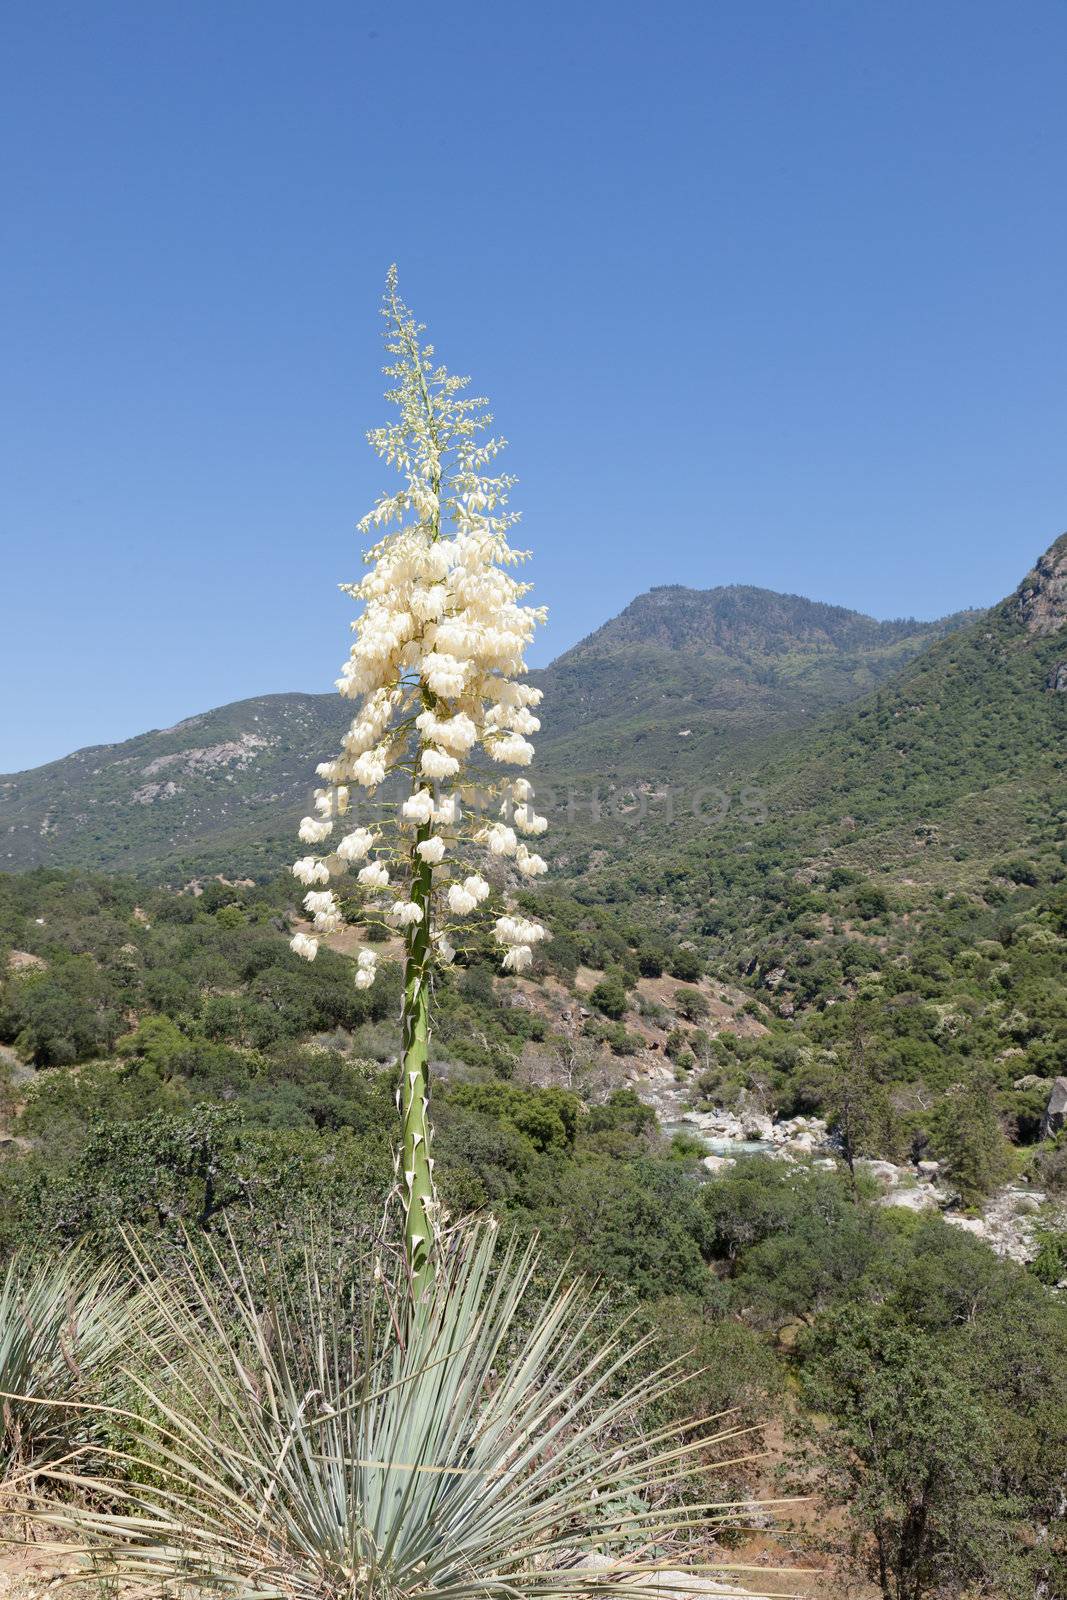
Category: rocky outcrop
<point>753,1131</point>
<point>23,961</point>
<point>1041,599</point>
<point>1008,1224</point>
<point>1009,1220</point>
<point>239,752</point>
<point>1055,1117</point>
<point>905,1186</point>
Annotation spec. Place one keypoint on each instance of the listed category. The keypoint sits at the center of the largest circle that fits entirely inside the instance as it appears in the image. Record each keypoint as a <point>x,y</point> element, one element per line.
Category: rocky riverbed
<point>1008,1222</point>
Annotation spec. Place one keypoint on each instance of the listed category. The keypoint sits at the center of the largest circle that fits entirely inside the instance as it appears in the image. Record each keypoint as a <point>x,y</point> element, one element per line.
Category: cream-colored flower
<point>511,930</point>
<point>527,821</point>
<point>405,913</point>
<point>436,669</point>
<point>530,865</point>
<point>513,748</point>
<point>434,763</point>
<point>418,807</point>
<point>309,869</point>
<point>446,812</point>
<point>366,969</point>
<point>355,845</point>
<point>460,900</point>
<point>373,876</point>
<point>500,839</point>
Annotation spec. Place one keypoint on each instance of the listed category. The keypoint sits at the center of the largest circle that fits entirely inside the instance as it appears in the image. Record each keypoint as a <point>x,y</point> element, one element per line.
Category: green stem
<point>415,1084</point>
<point>415,357</point>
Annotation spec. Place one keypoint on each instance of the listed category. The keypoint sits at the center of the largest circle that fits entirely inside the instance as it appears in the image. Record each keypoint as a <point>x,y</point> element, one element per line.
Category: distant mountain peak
<point>743,621</point>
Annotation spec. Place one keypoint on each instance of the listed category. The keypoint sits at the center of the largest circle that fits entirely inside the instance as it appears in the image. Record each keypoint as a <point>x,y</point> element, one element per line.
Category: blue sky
<point>763,291</point>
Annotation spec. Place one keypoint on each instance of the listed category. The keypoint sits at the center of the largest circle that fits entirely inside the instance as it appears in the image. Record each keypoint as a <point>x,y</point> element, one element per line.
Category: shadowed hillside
<point>717,669</point>
<point>951,776</point>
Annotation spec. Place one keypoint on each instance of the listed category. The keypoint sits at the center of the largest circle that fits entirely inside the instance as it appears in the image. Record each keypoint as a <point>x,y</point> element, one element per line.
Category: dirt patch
<point>23,961</point>
<point>350,940</point>
<point>725,1004</point>
<point>28,1569</point>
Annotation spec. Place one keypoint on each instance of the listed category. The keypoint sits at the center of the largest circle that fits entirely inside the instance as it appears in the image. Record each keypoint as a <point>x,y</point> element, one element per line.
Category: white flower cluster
<point>518,936</point>
<point>437,667</point>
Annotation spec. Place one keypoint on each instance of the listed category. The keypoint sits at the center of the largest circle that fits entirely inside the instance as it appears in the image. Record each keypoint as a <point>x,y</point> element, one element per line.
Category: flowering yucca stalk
<point>437,668</point>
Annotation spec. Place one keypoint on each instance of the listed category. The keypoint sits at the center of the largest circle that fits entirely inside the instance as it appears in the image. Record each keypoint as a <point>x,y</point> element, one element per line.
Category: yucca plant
<point>305,1448</point>
<point>447,1430</point>
<point>65,1327</point>
<point>438,677</point>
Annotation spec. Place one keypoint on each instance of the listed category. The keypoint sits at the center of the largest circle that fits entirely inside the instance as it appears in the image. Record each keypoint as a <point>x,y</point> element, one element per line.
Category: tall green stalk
<point>415,1083</point>
<point>437,668</point>
<point>415,1093</point>
<point>415,1088</point>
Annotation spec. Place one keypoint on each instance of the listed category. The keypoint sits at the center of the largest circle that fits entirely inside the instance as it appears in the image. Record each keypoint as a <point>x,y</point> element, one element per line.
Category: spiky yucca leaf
<point>476,1446</point>
<point>65,1323</point>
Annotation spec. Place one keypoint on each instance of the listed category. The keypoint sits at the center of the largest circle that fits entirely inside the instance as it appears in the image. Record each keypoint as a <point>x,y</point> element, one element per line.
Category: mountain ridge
<point>654,596</point>
<point>741,667</point>
<point>780,613</point>
<point>730,666</point>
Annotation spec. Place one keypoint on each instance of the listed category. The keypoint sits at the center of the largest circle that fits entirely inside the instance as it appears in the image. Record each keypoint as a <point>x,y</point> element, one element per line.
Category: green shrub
<point>610,997</point>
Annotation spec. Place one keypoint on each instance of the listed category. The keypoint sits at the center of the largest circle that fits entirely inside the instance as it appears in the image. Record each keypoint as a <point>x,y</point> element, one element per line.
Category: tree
<point>686,965</point>
<point>858,1107</point>
<point>651,960</point>
<point>871,901</point>
<point>609,996</point>
<point>691,1004</point>
<point>436,668</point>
<point>635,1224</point>
<point>547,1117</point>
<point>970,1140</point>
<point>907,1447</point>
<point>568,1061</point>
<point>65,1014</point>
<point>820,1259</point>
<point>157,1041</point>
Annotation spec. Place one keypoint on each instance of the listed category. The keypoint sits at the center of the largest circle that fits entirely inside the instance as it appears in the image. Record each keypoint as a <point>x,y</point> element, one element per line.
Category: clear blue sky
<point>763,291</point>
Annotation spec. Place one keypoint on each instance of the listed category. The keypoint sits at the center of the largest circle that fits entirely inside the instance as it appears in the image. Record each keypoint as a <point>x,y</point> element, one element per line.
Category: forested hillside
<point>950,778</point>
<point>235,777</point>
<point>688,683</point>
